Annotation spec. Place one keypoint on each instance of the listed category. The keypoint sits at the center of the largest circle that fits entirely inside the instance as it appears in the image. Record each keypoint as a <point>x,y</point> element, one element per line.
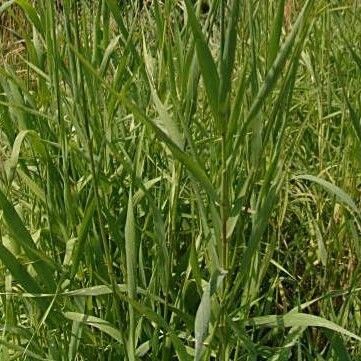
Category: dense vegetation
<point>179,180</point>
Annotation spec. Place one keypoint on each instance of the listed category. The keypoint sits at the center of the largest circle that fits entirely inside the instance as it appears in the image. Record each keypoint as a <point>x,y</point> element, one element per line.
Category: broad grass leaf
<point>143,349</point>
<point>138,196</point>
<point>94,291</point>
<point>150,314</point>
<point>37,191</point>
<point>101,325</point>
<point>316,232</point>
<point>108,53</point>
<point>122,289</point>
<point>159,226</point>
<point>293,319</point>
<point>292,338</point>
<point>126,37</point>
<point>204,312</point>
<point>201,322</point>
<point>341,195</point>
<point>262,214</point>
<point>76,333</point>
<point>191,164</point>
<point>26,281</point>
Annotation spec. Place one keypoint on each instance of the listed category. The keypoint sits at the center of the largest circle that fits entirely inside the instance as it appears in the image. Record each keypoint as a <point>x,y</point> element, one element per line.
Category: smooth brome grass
<point>179,180</point>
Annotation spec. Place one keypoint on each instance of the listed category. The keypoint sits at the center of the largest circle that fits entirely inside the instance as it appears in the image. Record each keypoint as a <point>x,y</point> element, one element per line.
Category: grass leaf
<point>341,195</point>
<point>206,61</point>
<point>300,320</point>
<point>101,325</point>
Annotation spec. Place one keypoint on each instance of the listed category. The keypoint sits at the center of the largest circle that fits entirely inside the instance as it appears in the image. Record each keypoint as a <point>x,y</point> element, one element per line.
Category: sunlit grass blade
<point>300,320</point>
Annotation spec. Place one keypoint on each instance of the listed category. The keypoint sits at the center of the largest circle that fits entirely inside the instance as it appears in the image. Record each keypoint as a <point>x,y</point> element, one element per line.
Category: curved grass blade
<point>333,189</point>
<point>6,4</point>
<point>101,325</point>
<point>15,153</point>
<point>204,312</point>
<point>293,319</point>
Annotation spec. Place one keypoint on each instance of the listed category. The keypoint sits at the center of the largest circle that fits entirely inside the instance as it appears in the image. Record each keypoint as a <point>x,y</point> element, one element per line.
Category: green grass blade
<point>131,261</point>
<point>300,320</point>
<point>203,315</point>
<point>206,61</point>
<point>18,271</point>
<point>275,71</point>
<point>96,322</point>
<point>31,14</point>
<point>42,264</point>
<point>273,44</point>
<point>228,56</point>
<point>341,195</point>
<point>83,232</point>
<point>165,122</point>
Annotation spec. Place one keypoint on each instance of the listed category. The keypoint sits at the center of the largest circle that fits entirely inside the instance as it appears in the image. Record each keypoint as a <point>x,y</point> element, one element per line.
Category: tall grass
<point>180,180</point>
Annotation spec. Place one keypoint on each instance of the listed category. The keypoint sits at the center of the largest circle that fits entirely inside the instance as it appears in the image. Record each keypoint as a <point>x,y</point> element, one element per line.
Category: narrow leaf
<point>206,61</point>
<point>333,189</point>
<point>41,263</point>
<point>102,325</point>
<point>300,320</point>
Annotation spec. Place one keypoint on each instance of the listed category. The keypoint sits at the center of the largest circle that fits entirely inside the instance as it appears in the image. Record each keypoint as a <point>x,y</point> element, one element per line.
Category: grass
<point>180,181</point>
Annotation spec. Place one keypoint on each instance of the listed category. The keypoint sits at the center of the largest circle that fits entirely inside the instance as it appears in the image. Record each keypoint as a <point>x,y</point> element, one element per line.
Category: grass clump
<point>179,180</point>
